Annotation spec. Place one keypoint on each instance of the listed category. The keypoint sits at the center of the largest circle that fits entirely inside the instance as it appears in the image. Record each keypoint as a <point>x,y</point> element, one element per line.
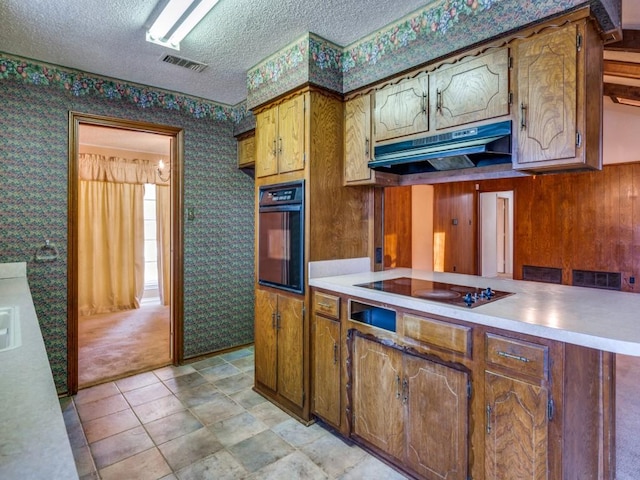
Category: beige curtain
<point>110,246</point>
<point>120,170</point>
<point>111,232</point>
<point>163,234</point>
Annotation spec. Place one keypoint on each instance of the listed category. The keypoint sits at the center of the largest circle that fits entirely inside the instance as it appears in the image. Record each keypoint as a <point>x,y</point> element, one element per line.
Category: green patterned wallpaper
<point>218,256</point>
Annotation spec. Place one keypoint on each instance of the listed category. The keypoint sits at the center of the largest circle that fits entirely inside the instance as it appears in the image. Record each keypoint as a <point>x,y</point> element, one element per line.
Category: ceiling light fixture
<point>177,19</point>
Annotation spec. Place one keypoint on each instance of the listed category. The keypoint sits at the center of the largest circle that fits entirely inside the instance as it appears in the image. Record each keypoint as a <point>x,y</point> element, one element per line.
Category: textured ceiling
<point>108,37</point>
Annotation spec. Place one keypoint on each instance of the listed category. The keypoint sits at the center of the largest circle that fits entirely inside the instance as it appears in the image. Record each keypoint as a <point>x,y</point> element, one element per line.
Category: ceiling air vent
<point>184,62</point>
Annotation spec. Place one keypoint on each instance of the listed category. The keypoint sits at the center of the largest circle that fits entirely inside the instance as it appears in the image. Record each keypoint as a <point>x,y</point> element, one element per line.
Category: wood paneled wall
<point>397,227</point>
<point>587,221</point>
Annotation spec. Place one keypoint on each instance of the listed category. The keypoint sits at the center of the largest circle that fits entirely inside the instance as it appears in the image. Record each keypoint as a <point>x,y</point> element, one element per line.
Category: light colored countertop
<point>33,438</point>
<point>601,319</point>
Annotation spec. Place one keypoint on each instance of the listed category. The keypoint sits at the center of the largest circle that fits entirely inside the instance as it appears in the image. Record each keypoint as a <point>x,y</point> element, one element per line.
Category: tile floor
<point>203,421</point>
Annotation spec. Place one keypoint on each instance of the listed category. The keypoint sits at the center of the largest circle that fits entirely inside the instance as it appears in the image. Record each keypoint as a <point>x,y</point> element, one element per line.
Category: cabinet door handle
<point>280,149</point>
<point>335,353</point>
<point>275,149</point>
<point>514,357</point>
<point>366,147</point>
<point>424,103</point>
<point>273,320</point>
<point>278,320</point>
<point>523,116</point>
<point>439,100</point>
<point>488,419</point>
<point>397,386</point>
<point>405,391</point>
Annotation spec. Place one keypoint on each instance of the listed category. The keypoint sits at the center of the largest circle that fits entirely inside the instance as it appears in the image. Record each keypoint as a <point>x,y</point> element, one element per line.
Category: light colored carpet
<point>627,417</point>
<point>114,345</point>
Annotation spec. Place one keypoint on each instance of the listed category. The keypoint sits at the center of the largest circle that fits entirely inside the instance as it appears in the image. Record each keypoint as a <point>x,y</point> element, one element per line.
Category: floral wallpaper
<point>440,28</point>
<point>308,57</point>
<point>81,84</point>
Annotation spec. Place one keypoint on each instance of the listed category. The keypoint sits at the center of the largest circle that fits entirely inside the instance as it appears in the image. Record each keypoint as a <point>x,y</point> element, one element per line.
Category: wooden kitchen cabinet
<point>517,436</point>
<point>377,409</point>
<point>279,340</point>
<point>327,358</point>
<point>336,226</point>
<point>469,91</point>
<point>559,99</point>
<point>358,146</point>
<point>518,409</point>
<point>280,134</point>
<point>247,152</point>
<point>413,409</point>
<point>402,109</point>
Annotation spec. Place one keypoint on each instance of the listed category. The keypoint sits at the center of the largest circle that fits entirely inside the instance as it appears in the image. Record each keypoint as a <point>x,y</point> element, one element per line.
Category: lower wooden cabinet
<point>326,369</point>
<point>445,399</point>
<point>413,409</point>
<point>517,424</point>
<point>279,339</point>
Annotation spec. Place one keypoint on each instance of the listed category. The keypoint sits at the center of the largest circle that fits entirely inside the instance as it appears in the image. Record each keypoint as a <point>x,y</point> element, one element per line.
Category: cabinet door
<point>265,338</point>
<point>402,109</point>
<point>246,152</point>
<point>291,135</point>
<point>266,143</point>
<point>326,368</point>
<point>516,429</point>
<point>437,418</point>
<point>471,91</point>
<point>547,76</point>
<point>290,354</point>
<point>377,396</point>
<point>357,139</point>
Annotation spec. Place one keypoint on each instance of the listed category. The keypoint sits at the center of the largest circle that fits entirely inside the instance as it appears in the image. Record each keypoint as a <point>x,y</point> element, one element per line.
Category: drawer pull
<point>324,305</point>
<point>512,356</point>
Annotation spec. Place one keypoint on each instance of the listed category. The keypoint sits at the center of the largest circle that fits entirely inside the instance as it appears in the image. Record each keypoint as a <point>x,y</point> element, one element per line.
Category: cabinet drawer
<point>439,334</point>
<point>326,304</point>
<point>523,357</point>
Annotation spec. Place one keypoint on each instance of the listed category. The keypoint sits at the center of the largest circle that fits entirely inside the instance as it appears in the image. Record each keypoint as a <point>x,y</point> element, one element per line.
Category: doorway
<point>496,234</point>
<point>142,329</point>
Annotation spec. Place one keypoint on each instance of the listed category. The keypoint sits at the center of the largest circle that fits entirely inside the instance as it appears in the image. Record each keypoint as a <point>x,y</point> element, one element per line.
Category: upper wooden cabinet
<point>559,99</point>
<point>470,91</point>
<point>280,138</point>
<point>247,152</point>
<point>402,109</point>
<point>358,145</point>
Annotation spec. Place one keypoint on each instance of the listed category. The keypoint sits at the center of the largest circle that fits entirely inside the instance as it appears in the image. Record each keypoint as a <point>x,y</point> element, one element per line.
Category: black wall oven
<point>281,236</point>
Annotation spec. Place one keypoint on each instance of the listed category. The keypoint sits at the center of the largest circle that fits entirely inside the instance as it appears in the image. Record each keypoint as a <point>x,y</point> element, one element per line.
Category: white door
<point>496,234</point>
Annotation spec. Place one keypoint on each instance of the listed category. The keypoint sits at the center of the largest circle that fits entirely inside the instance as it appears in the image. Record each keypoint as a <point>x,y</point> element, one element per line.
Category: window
<point>151,294</point>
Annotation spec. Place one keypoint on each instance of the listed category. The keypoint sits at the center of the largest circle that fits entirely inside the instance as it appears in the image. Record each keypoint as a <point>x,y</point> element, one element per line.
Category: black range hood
<point>467,148</point>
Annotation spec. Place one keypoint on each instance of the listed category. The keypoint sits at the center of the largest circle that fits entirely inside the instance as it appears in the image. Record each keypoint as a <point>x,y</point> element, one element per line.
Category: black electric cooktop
<point>459,295</point>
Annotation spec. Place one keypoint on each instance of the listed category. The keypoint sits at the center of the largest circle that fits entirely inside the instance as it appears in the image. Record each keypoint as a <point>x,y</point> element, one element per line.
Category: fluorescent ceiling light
<point>176,20</point>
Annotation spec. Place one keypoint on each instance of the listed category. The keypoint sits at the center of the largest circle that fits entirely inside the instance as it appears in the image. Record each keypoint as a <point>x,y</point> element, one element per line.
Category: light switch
<point>191,213</point>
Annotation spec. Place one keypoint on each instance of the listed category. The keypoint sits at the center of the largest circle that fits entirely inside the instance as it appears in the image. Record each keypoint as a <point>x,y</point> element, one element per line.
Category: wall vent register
<point>459,295</point>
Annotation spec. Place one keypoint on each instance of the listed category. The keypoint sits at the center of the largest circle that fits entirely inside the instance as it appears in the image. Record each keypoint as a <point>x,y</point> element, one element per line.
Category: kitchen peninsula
<point>523,383</point>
